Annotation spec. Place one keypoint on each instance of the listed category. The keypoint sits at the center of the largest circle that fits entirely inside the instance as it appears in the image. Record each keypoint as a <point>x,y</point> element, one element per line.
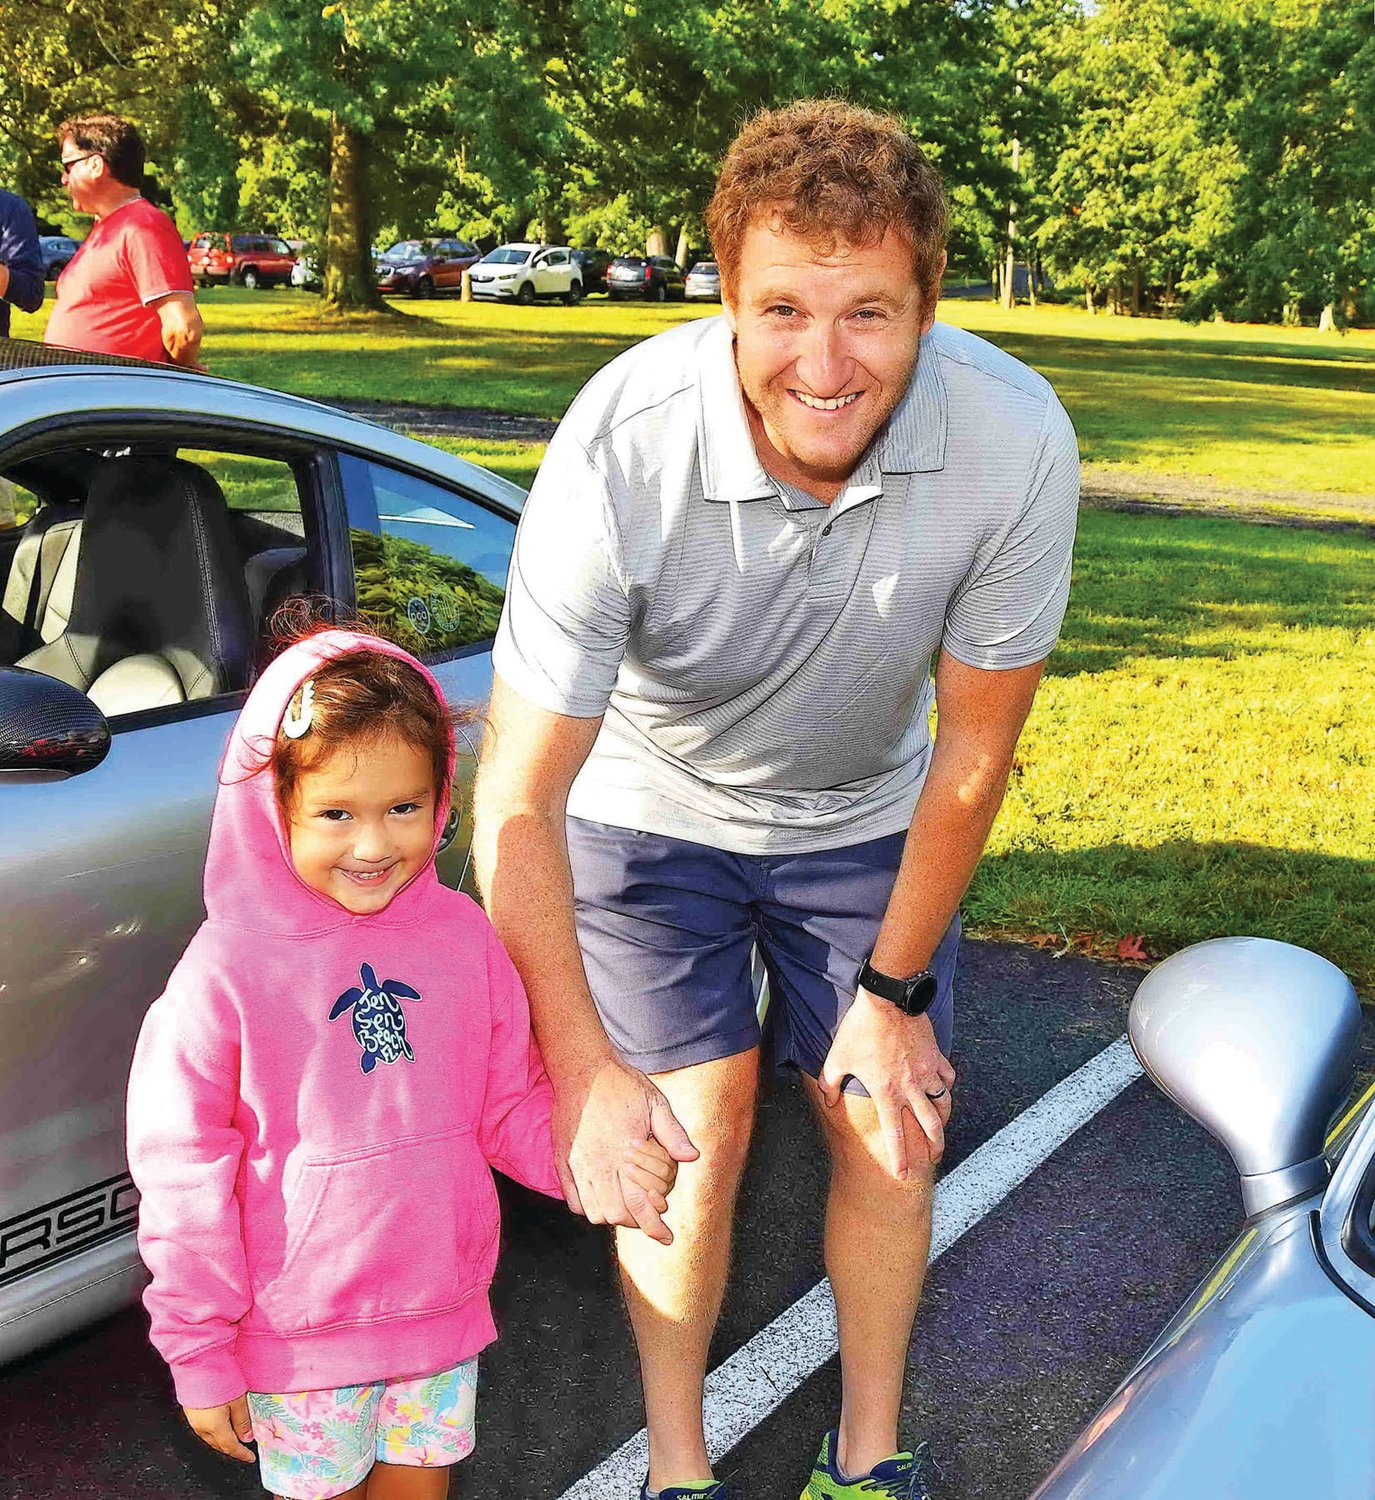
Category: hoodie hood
<point>250,880</point>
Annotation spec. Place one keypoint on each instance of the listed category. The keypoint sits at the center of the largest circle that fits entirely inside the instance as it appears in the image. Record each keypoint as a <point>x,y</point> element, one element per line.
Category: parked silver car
<point>151,521</point>
<point>1263,1386</point>
<point>703,282</point>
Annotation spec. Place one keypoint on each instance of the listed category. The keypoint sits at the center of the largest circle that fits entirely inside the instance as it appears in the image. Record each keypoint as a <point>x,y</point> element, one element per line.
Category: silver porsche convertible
<point>152,521</point>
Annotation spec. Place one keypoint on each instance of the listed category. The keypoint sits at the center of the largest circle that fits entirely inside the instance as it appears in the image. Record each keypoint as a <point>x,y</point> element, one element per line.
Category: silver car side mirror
<point>48,727</point>
<point>1256,1040</point>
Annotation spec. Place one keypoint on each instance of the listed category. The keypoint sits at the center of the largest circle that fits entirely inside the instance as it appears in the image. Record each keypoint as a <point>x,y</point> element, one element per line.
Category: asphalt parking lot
<point>1030,1319</point>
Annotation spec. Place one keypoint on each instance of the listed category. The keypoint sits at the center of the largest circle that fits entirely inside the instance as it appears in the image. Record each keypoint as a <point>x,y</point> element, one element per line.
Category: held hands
<point>897,1059</point>
<point>224,1428</point>
<point>647,1175</point>
<point>611,1171</point>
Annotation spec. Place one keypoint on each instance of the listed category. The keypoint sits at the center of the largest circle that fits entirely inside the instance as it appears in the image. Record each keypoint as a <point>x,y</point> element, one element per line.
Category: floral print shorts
<point>320,1443</point>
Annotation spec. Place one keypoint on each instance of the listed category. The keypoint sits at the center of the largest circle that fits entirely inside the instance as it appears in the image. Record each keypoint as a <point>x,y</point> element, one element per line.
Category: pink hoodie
<point>316,1213</point>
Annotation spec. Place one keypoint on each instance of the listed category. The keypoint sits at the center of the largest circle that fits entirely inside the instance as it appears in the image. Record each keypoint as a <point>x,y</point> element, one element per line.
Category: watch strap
<point>912,996</point>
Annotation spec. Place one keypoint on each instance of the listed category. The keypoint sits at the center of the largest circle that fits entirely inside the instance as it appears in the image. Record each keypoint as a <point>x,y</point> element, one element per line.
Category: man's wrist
<point>912,993</point>
<point>578,1062</point>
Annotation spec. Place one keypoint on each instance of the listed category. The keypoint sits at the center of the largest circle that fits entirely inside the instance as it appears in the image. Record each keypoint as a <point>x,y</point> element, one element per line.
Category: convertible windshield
<point>506,256</point>
<point>407,250</point>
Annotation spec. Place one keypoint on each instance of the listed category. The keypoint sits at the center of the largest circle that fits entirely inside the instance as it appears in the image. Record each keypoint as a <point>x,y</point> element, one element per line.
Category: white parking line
<point>759,1377</point>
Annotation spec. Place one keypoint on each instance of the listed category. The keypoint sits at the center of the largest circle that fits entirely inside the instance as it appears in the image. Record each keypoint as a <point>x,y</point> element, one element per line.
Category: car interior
<point>128,574</point>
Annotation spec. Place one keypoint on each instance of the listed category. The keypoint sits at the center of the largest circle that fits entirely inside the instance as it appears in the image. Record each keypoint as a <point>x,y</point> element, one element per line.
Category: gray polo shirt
<point>763,659</point>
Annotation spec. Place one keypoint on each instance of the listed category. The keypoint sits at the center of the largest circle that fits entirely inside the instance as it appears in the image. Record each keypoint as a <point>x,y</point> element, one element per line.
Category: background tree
<point>360,76</point>
<point>1300,107</point>
<point>1140,182</point>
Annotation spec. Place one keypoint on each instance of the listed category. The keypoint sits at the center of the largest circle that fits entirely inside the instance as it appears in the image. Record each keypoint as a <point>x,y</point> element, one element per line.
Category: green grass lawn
<point>1217,407</point>
<point>1201,758</point>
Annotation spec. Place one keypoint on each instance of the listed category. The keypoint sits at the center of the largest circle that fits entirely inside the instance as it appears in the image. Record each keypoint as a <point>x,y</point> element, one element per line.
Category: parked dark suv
<point>252,260</point>
<point>595,264</point>
<point>651,278</point>
<point>420,268</point>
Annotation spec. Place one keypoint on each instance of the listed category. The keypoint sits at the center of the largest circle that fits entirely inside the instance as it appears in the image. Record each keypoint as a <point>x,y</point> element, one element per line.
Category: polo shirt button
<point>826,529</point>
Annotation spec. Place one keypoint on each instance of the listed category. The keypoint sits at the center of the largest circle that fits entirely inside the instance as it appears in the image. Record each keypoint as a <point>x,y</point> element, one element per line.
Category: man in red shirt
<point>128,289</point>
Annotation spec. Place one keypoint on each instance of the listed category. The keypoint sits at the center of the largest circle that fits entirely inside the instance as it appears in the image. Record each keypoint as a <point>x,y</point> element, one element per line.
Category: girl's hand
<point>224,1428</point>
<point>648,1168</point>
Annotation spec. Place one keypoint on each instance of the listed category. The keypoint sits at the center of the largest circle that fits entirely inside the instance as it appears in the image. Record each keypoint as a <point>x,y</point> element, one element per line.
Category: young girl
<point>339,1057</point>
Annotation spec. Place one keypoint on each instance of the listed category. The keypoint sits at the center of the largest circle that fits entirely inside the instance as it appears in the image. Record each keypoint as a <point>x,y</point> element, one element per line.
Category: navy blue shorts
<point>667,929</point>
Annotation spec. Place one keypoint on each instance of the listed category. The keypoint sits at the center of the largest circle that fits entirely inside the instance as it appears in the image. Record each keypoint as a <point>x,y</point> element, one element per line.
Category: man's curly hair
<point>831,173</point>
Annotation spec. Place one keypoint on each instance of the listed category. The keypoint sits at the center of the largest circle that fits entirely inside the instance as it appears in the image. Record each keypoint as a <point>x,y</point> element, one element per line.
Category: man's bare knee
<point>715,1101</point>
<point>858,1148</point>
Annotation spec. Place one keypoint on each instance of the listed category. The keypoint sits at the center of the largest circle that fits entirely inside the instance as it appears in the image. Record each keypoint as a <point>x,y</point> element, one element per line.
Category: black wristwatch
<point>913,997</point>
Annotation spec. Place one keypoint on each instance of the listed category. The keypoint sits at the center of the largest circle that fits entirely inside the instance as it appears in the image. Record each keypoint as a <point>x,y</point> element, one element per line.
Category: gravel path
<point>454,421</point>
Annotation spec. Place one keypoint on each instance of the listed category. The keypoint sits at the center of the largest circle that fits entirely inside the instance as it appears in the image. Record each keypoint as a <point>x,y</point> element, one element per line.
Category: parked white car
<point>523,272</point>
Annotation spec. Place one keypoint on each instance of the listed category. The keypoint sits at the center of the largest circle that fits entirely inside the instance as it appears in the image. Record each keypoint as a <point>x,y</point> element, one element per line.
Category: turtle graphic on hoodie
<point>378,1021</point>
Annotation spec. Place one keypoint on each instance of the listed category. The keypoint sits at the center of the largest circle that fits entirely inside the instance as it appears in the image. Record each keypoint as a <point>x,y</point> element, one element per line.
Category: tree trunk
<point>1136,291</point>
<point>551,224</point>
<point>995,277</point>
<point>683,247</point>
<point>350,284</point>
<point>1010,262</point>
<point>1031,282</point>
<point>1327,323</point>
<point>657,244</point>
<point>1088,297</point>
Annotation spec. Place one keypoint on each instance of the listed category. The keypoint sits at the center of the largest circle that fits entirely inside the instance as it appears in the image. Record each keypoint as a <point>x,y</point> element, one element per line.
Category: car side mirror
<point>1257,1040</point>
<point>47,725</point>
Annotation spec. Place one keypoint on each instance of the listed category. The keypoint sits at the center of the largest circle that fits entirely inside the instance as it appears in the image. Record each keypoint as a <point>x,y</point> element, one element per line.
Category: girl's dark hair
<point>360,697</point>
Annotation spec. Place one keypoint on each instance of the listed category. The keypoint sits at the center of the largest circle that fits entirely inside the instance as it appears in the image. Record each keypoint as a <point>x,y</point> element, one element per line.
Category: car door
<point>430,564</point>
<point>283,258</point>
<point>100,881</point>
<point>561,271</point>
<point>448,271</point>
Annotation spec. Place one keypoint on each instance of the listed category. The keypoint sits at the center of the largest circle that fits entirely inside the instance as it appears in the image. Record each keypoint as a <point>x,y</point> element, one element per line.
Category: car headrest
<point>159,573</point>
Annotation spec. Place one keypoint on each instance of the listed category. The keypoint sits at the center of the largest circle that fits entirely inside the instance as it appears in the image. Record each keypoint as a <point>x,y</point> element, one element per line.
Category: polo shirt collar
<point>914,439</point>
<point>730,466</point>
<point>912,442</point>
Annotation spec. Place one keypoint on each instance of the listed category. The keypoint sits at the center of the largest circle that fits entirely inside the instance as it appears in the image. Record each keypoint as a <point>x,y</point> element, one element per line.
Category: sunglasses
<point>66,163</point>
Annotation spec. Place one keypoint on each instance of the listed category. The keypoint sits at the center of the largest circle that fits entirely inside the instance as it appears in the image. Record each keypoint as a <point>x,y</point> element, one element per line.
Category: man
<point>710,731</point>
<point>21,260</point>
<point>128,289</point>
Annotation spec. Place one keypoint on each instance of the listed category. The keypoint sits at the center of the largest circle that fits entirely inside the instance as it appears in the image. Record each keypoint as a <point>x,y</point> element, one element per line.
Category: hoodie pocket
<point>393,1231</point>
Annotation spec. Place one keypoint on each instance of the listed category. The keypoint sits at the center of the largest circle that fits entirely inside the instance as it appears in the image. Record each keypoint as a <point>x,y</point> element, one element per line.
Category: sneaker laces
<point>902,1477</point>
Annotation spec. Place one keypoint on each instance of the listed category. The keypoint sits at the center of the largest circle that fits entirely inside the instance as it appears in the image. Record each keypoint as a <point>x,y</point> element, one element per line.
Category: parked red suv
<point>420,268</point>
<point>251,260</point>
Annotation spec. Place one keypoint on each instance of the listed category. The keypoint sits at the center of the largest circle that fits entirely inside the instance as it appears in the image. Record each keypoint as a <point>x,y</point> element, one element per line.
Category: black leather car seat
<point>159,609</point>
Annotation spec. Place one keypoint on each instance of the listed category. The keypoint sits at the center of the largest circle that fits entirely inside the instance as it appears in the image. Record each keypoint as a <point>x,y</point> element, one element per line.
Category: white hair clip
<point>296,721</point>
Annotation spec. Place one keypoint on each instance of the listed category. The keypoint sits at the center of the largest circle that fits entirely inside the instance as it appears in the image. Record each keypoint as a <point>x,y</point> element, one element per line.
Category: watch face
<point>912,996</point>
<point>921,991</point>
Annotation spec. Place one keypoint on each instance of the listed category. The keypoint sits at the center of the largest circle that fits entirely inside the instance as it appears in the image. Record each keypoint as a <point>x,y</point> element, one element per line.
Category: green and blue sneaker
<point>706,1489</point>
<point>901,1477</point>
